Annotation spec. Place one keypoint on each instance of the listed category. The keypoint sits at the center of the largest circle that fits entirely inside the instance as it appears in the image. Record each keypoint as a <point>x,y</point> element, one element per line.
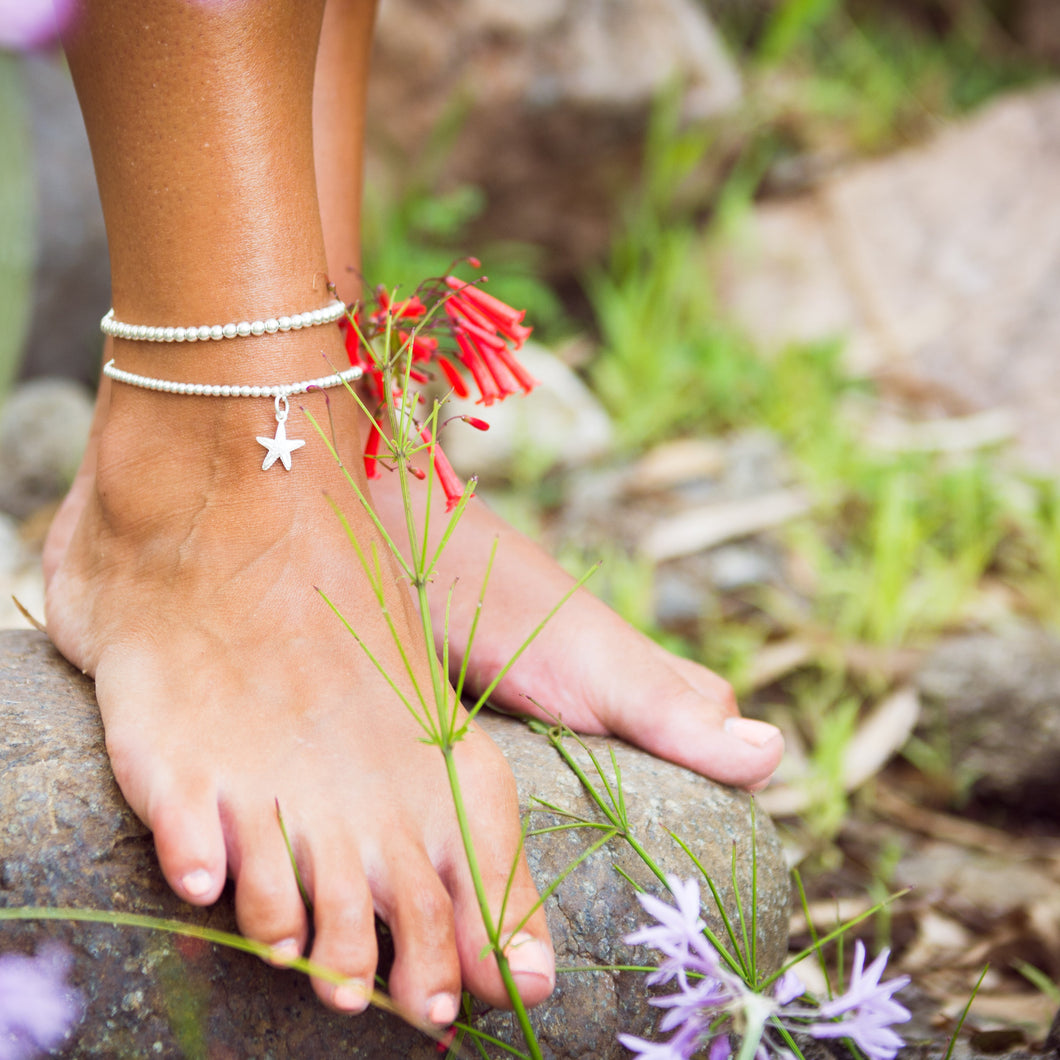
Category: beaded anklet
<point>280,446</point>
<point>241,330</point>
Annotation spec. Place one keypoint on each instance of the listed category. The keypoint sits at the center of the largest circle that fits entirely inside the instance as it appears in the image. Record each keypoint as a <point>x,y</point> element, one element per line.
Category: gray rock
<point>939,265</point>
<point>68,839</point>
<point>559,423</point>
<point>44,426</point>
<point>998,697</point>
<point>555,99</point>
<point>71,286</point>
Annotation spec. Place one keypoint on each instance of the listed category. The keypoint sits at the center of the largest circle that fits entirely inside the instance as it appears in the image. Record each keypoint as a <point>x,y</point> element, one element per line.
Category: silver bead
<point>204,332</point>
<point>217,332</point>
<point>272,325</point>
<point>169,334</point>
<point>229,331</point>
<point>257,327</point>
<point>284,323</point>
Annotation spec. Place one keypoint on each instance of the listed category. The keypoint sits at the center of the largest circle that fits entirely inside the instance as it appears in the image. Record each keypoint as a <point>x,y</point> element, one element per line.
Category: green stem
<point>487,917</point>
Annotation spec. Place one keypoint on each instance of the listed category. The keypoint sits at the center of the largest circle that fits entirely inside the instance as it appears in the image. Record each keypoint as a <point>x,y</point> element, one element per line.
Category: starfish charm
<point>280,447</point>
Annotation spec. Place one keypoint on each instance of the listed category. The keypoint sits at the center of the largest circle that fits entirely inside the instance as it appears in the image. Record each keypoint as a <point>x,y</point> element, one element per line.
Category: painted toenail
<point>756,733</point>
<point>529,956</point>
<point>285,952</point>
<point>442,1009</point>
<point>351,996</point>
<point>197,883</point>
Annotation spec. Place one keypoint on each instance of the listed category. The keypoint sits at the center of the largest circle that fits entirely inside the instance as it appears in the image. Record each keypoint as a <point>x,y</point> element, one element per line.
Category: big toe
<point>692,719</point>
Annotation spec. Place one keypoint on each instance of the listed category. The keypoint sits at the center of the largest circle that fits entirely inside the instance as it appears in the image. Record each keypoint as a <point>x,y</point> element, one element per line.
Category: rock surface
<point>559,423</point>
<point>44,426</point>
<point>552,100</point>
<point>998,696</point>
<point>71,283</point>
<point>939,265</point>
<point>67,839</point>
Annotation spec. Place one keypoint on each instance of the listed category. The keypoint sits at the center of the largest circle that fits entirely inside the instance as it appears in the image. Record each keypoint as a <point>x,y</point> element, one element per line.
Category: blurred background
<point>794,269</point>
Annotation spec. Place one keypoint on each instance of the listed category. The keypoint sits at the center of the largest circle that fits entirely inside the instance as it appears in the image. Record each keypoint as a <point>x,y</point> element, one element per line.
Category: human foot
<point>185,586</point>
<point>588,666</point>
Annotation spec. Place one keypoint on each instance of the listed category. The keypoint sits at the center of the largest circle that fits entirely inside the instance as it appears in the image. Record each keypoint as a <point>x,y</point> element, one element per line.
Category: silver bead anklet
<point>278,447</point>
<point>243,329</point>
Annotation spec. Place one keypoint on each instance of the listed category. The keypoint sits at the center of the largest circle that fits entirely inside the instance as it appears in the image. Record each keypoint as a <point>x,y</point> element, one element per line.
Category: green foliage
<point>420,232</point>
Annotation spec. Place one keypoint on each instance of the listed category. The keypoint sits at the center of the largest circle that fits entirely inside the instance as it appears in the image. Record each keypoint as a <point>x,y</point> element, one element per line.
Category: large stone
<point>553,101</point>
<point>559,423</point>
<point>44,426</point>
<point>68,839</point>
<point>71,284</point>
<point>995,696</point>
<point>939,265</point>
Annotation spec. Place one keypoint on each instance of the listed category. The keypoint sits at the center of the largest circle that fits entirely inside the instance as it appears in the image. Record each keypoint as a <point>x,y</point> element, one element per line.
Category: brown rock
<point>939,265</point>
<point>68,839</point>
<point>997,696</point>
<point>553,101</point>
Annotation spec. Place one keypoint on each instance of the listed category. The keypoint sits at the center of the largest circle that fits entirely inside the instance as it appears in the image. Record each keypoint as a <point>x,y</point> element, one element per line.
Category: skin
<point>181,576</point>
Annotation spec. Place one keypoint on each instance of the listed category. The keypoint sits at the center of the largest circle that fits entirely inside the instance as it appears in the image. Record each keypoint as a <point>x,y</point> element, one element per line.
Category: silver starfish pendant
<point>280,446</point>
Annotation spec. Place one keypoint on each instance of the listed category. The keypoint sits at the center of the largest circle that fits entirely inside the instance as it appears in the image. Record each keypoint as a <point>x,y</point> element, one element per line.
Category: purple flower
<point>864,1013</point>
<point>29,24</point>
<point>37,1006</point>
<point>680,1047</point>
<point>711,1001</point>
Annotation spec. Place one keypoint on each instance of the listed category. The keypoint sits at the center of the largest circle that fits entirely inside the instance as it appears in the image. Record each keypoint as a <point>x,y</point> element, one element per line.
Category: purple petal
<point>29,24</point>
<point>37,1007</point>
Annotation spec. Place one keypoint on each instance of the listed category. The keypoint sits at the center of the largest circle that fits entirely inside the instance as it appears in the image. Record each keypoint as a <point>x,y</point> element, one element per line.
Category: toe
<point>425,979</point>
<point>189,841</point>
<point>508,888</point>
<point>269,908</point>
<point>699,727</point>
<point>344,919</point>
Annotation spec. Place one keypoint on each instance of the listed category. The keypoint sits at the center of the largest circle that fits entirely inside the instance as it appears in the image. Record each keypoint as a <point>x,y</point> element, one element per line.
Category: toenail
<point>442,1009</point>
<point>285,952</point>
<point>756,733</point>
<point>197,883</point>
<point>351,996</point>
<point>530,956</point>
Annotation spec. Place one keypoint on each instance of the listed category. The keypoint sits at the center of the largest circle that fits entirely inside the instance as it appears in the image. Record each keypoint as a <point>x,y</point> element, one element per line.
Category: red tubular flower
<point>450,481</point>
<point>470,359</point>
<point>525,380</point>
<point>456,380</point>
<point>423,346</point>
<point>371,452</point>
<point>409,309</point>
<point>474,421</point>
<point>503,317</point>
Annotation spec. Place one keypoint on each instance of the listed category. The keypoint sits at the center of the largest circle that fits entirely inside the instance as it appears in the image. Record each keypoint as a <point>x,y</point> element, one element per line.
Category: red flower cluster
<point>480,332</point>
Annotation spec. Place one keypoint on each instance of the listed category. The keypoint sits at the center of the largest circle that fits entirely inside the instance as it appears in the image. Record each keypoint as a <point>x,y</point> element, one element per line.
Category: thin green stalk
<point>220,938</point>
<point>964,1013</point>
<point>483,901</point>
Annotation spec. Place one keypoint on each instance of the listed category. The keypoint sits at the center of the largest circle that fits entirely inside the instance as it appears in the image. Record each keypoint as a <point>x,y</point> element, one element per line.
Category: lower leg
<point>186,558</point>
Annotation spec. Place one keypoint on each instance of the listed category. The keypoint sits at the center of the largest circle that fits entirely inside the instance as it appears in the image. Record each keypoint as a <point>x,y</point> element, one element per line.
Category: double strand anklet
<point>278,447</point>
<point>243,329</point>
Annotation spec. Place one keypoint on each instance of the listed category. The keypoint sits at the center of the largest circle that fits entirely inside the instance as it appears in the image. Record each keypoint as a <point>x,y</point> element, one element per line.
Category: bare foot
<point>181,576</point>
<point>588,666</point>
